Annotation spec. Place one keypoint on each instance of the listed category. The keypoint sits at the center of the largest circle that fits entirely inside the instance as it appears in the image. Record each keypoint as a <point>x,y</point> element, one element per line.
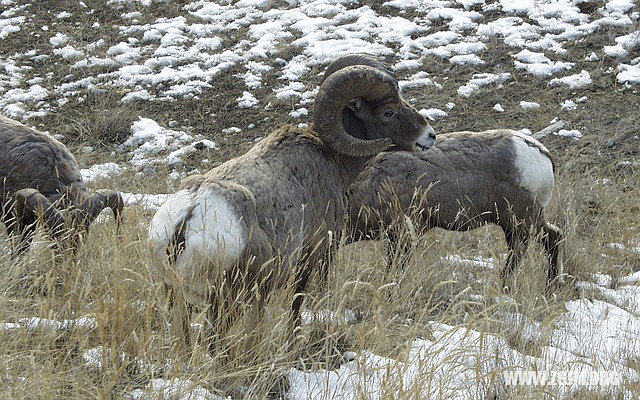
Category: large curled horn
<point>28,202</point>
<point>92,206</point>
<point>338,89</point>
<point>356,59</point>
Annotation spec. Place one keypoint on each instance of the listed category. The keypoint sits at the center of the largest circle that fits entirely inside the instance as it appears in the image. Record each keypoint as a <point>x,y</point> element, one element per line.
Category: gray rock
<point>149,170</point>
<point>549,130</point>
<point>628,166</point>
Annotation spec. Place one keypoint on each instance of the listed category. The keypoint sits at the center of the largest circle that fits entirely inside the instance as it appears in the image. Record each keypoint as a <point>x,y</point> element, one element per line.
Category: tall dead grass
<point>125,342</point>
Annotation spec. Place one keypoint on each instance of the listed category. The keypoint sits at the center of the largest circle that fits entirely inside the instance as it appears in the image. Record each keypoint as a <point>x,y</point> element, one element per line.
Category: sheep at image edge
<point>260,219</point>
<point>466,180</point>
<point>38,174</point>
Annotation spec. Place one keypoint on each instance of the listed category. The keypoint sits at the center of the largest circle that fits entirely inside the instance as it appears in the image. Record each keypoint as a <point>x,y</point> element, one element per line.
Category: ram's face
<point>68,199</point>
<point>396,119</point>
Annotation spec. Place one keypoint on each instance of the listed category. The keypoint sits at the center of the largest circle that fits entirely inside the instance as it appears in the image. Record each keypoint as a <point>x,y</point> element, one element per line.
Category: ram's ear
<point>356,104</point>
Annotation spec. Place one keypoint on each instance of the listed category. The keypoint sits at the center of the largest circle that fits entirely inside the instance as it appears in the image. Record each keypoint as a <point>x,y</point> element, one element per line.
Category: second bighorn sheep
<point>466,180</point>
<point>39,174</point>
<point>280,199</point>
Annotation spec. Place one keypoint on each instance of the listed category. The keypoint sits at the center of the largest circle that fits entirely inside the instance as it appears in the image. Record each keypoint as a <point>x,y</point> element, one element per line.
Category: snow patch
<point>529,105</point>
<point>573,82</point>
<point>148,141</point>
<point>100,171</point>
<point>433,113</point>
<point>247,100</point>
<point>480,81</point>
<point>573,134</point>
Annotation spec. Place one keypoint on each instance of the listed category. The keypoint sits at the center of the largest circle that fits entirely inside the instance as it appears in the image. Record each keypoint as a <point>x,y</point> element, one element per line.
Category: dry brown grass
<point>113,282</point>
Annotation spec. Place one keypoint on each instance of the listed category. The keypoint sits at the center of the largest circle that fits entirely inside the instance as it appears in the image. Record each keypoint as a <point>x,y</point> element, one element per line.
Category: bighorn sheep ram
<point>466,180</point>
<point>39,174</point>
<point>280,199</point>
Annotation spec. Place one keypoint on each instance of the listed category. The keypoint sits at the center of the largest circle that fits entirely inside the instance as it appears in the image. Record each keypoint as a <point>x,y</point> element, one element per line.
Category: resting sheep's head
<point>70,214</point>
<point>359,110</point>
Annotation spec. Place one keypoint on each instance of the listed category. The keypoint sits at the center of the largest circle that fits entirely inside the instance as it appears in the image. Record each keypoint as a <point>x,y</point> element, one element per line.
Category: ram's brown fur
<point>466,180</point>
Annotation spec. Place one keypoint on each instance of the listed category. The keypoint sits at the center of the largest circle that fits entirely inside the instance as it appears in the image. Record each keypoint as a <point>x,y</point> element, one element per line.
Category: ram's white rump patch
<point>535,168</point>
<point>213,233</point>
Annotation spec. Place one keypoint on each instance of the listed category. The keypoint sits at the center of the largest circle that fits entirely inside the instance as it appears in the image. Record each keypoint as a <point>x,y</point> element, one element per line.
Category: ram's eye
<point>389,113</point>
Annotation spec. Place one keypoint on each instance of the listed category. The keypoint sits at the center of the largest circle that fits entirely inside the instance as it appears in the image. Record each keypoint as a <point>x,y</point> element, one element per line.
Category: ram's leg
<point>255,338</point>
<point>316,259</point>
<point>301,277</point>
<point>552,240</point>
<point>399,251</point>
<point>517,241</point>
<point>223,307</point>
<point>325,261</point>
<point>214,321</point>
<point>325,265</point>
<point>180,313</point>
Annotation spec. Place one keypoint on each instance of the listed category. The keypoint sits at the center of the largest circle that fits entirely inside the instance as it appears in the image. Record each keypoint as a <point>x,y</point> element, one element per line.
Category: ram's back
<point>465,180</point>
<point>30,159</point>
<point>295,184</point>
